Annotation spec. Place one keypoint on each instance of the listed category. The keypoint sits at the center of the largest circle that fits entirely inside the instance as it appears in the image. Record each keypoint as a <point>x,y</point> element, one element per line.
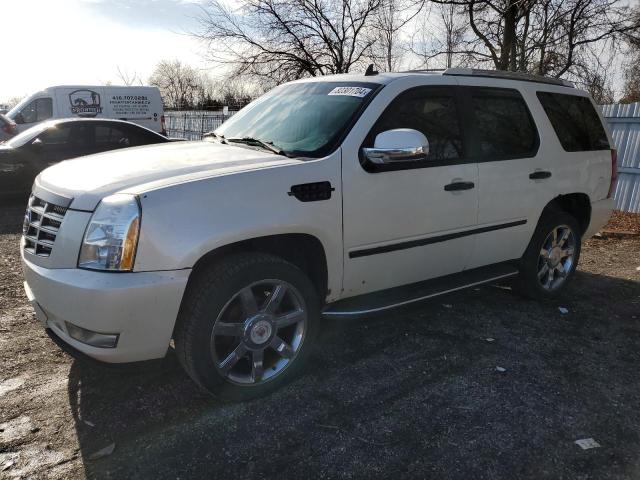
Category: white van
<point>140,105</point>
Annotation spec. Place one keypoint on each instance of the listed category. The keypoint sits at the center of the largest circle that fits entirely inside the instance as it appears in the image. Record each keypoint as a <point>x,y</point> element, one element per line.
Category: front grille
<point>41,224</point>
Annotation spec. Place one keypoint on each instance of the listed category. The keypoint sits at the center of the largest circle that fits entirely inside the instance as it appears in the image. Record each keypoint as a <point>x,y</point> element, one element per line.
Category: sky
<point>54,42</point>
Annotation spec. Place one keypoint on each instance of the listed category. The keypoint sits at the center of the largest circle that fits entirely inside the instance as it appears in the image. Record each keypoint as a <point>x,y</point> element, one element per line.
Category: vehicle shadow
<point>409,394</point>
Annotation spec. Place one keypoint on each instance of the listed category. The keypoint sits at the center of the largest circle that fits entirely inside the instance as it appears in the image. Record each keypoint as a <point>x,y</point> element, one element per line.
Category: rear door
<point>505,143</point>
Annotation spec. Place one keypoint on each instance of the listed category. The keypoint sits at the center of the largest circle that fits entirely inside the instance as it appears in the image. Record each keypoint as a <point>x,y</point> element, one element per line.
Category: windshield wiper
<point>212,134</point>
<point>256,141</point>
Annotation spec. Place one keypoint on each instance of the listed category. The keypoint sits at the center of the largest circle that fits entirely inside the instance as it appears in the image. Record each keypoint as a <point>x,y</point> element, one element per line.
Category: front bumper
<point>600,215</point>
<point>141,307</point>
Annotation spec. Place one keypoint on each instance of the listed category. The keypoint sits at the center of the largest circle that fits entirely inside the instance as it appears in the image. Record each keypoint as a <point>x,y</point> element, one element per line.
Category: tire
<point>221,331</point>
<point>542,282</point>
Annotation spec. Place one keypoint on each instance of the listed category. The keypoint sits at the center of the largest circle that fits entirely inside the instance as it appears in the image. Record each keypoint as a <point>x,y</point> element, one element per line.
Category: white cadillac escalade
<point>327,197</point>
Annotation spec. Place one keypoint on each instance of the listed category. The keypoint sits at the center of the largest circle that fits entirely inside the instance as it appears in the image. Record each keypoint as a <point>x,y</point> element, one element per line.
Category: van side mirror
<point>398,145</point>
<point>37,144</point>
<point>19,119</point>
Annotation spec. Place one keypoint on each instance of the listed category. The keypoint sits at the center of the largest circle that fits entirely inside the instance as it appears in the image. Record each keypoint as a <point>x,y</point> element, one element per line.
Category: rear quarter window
<point>575,122</point>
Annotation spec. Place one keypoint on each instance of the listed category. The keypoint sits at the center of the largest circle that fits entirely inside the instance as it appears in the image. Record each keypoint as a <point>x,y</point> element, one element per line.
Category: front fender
<point>182,223</point>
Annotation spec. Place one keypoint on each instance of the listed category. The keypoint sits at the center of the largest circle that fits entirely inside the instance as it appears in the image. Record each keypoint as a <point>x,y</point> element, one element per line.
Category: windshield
<point>15,110</point>
<point>304,119</point>
<point>27,135</point>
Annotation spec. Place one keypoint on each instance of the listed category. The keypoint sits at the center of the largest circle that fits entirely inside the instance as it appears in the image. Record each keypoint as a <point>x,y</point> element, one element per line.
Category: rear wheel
<point>552,256</point>
<point>247,325</point>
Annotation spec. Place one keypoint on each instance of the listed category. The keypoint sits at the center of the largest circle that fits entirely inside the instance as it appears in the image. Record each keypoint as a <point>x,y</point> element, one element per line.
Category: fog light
<point>95,339</point>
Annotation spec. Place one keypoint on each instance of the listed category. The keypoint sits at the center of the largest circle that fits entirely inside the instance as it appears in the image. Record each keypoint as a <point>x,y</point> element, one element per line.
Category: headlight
<point>111,238</point>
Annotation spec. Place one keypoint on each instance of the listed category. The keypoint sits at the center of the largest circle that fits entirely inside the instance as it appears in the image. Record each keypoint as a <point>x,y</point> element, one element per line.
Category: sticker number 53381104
<point>350,91</point>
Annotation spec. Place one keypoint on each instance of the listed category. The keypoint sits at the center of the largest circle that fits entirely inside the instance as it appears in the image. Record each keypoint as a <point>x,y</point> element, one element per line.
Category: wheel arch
<point>304,250</point>
<point>577,204</point>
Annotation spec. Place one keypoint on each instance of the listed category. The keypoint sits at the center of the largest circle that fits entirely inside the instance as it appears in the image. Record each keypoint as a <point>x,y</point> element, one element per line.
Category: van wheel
<point>247,325</point>
<point>551,257</point>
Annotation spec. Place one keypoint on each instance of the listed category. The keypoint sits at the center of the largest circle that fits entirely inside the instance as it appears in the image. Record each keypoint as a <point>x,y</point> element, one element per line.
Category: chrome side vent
<point>42,221</point>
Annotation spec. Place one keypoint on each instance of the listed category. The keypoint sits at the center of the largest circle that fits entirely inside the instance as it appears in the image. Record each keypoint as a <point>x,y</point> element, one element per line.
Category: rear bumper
<point>600,214</point>
<point>141,308</point>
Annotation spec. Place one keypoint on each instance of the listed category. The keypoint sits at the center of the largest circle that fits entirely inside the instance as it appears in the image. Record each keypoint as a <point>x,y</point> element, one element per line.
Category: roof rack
<point>474,72</point>
<point>424,70</point>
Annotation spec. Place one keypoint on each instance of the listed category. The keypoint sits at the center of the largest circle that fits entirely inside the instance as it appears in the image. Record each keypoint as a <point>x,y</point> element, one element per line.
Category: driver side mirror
<point>19,119</point>
<point>398,145</point>
<point>37,144</point>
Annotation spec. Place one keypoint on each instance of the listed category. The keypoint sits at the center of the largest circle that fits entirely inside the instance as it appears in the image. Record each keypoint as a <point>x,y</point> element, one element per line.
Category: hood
<point>134,170</point>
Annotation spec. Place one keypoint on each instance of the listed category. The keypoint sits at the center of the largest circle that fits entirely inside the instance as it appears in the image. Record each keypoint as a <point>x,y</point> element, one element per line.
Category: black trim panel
<point>365,252</point>
<point>312,192</point>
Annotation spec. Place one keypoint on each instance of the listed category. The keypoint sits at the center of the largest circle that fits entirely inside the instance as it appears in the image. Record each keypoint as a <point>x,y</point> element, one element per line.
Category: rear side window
<point>575,122</point>
<point>433,113</point>
<point>111,137</point>
<point>503,124</point>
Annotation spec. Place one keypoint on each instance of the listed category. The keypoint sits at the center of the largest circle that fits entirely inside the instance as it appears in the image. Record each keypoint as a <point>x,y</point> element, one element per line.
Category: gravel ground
<point>416,394</point>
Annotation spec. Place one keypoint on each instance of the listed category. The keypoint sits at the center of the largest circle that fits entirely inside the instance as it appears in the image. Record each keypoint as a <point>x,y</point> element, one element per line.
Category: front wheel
<point>551,258</point>
<point>247,325</point>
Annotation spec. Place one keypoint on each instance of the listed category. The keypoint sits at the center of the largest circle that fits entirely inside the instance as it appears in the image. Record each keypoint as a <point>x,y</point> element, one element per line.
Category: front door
<point>404,223</point>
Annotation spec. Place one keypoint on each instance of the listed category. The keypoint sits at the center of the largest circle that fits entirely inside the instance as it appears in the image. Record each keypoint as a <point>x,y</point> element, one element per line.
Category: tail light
<point>163,126</point>
<point>614,172</point>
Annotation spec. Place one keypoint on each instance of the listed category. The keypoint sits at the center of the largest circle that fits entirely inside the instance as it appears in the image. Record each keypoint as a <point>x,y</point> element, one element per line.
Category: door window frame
<point>463,100</point>
<point>469,112</point>
<point>430,91</point>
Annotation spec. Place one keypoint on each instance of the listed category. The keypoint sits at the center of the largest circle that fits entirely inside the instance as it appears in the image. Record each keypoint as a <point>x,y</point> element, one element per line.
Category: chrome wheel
<point>556,258</point>
<point>259,332</point>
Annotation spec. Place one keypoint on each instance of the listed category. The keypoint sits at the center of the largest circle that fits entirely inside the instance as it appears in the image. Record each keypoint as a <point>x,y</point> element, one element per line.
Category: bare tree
<point>128,78</point>
<point>548,37</point>
<point>388,23</point>
<point>13,101</point>
<point>279,40</point>
<point>631,92</point>
<point>441,43</point>
<point>181,86</point>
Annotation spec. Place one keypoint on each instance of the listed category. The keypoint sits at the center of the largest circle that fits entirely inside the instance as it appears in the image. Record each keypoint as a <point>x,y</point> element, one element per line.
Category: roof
<point>388,77</point>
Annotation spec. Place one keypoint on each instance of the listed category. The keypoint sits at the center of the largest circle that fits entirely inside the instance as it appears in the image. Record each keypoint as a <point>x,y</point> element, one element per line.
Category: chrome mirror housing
<point>398,145</point>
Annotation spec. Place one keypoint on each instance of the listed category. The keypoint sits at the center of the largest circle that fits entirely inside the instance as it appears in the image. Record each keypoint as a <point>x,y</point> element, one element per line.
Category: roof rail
<point>424,70</point>
<point>474,72</point>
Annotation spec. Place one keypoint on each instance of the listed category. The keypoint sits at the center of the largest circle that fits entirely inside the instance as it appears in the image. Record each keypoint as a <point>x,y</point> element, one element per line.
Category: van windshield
<point>302,119</point>
<point>15,110</point>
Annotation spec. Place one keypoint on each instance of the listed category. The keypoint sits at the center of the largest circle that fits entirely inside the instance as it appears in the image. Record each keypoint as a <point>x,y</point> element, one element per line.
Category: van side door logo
<point>85,103</point>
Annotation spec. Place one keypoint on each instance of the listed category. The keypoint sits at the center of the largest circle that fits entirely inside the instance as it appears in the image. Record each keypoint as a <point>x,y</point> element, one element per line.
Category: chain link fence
<point>191,125</point>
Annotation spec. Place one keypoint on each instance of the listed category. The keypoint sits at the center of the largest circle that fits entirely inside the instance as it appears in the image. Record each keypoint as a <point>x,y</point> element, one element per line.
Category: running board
<point>371,303</point>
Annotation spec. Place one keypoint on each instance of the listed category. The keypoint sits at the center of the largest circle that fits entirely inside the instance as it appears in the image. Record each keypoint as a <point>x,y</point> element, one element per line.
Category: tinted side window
<point>503,124</point>
<point>37,111</point>
<point>58,135</point>
<point>111,137</point>
<point>142,137</point>
<point>434,114</point>
<point>575,121</point>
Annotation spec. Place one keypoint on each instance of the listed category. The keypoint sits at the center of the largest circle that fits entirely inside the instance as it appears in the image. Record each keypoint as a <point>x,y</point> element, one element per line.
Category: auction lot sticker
<point>350,91</point>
